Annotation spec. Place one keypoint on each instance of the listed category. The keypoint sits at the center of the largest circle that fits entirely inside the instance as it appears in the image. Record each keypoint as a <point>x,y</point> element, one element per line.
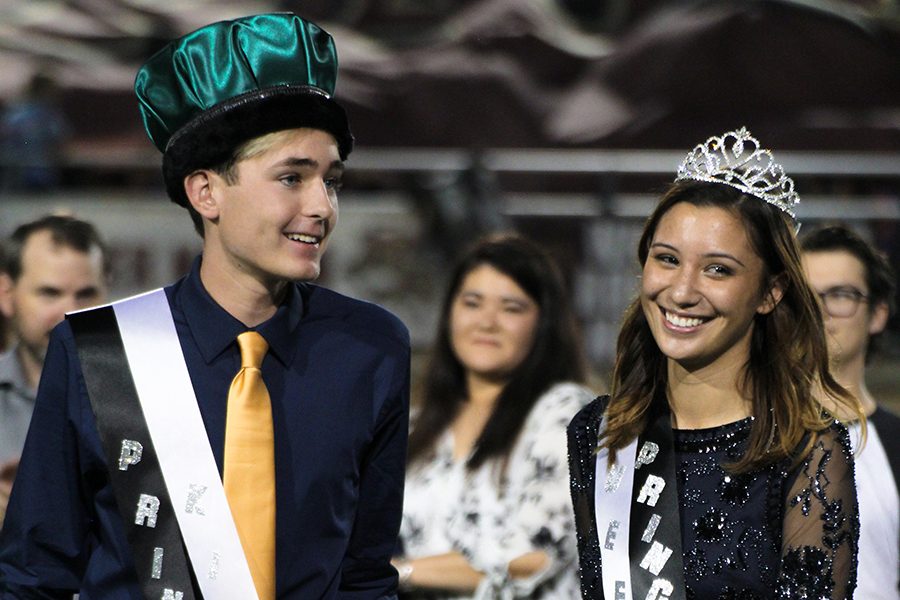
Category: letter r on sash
<point>620,591</point>
<point>147,508</point>
<point>651,490</point>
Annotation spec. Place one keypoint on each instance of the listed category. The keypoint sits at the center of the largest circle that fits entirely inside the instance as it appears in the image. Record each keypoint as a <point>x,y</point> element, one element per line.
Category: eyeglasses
<point>842,302</point>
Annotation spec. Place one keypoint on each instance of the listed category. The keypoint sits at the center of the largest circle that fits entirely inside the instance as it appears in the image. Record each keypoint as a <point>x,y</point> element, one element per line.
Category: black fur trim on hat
<point>211,138</point>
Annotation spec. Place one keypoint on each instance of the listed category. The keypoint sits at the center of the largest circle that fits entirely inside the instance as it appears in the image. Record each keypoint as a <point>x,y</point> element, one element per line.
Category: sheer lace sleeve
<point>821,523</point>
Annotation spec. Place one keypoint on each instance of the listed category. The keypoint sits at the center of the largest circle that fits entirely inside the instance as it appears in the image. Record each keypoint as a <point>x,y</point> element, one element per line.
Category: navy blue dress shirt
<point>337,372</point>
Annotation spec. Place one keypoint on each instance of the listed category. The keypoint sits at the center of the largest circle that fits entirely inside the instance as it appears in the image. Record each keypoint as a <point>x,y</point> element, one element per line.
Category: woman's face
<point>702,285</point>
<point>492,323</point>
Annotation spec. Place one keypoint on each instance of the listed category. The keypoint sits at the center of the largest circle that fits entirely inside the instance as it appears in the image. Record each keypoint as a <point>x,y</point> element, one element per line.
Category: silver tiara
<point>736,159</point>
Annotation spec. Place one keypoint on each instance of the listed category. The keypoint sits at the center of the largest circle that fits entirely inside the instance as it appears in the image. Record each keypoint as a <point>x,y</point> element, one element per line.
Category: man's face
<point>273,224</point>
<point>55,279</point>
<point>841,275</point>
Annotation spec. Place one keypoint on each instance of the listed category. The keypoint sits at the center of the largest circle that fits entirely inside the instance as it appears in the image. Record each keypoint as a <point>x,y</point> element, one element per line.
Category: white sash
<point>182,446</point>
<point>612,510</point>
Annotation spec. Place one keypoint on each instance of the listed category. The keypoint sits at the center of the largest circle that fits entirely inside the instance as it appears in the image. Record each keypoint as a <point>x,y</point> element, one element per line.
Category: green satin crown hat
<point>226,83</point>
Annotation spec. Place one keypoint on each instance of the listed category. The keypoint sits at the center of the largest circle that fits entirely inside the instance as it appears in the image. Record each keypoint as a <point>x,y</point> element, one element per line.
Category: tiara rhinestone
<point>736,158</point>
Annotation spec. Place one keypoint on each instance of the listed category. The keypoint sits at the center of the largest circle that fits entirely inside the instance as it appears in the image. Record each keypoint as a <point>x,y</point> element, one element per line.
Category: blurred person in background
<point>33,130</point>
<point>4,322</point>
<point>711,470</point>
<point>857,286</point>
<point>54,265</point>
<point>486,510</point>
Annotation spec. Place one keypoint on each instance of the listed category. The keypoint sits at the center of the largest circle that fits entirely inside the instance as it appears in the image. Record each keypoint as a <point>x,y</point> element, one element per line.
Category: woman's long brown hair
<point>786,375</point>
<point>556,354</point>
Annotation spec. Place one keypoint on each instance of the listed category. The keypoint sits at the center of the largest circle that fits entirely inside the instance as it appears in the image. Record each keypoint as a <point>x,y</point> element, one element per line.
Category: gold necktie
<point>250,463</point>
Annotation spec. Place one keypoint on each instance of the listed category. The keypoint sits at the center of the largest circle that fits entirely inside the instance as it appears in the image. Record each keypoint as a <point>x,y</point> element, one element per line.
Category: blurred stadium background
<point>559,118</point>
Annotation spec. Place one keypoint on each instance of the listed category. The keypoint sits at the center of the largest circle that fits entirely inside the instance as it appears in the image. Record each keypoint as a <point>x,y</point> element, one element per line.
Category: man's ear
<point>774,294</point>
<point>878,318</point>
<point>199,187</point>
<point>6,293</point>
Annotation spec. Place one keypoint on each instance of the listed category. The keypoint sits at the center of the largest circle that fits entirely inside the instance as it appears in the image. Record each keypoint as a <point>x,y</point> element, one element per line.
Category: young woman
<point>712,470</point>
<point>486,511</point>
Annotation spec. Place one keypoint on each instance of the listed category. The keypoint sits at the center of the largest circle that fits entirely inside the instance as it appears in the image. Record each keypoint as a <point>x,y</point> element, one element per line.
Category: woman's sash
<point>162,469</point>
<point>638,522</point>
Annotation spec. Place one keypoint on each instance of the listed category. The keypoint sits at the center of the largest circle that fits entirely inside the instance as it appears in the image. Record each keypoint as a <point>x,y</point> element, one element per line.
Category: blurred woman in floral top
<point>486,511</point>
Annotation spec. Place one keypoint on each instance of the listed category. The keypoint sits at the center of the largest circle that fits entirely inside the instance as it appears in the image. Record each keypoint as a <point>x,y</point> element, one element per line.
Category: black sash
<point>151,527</point>
<point>654,541</point>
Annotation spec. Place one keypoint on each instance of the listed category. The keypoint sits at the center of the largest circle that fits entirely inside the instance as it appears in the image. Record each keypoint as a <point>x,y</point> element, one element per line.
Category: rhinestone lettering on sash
<point>130,454</point>
<point>658,554</point>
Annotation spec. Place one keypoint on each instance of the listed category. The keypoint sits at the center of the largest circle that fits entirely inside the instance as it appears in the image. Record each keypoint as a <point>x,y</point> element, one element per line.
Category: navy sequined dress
<point>783,532</point>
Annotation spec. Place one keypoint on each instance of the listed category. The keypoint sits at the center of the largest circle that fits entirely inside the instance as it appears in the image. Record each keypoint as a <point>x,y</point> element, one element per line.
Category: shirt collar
<point>214,329</point>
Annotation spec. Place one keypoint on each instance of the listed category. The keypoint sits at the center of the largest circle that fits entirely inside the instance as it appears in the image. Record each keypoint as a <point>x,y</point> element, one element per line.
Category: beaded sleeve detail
<point>821,523</point>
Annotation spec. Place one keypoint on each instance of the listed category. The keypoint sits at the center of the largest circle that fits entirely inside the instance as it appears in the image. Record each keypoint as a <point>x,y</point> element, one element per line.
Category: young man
<point>55,264</point>
<point>857,287</point>
<point>241,434</point>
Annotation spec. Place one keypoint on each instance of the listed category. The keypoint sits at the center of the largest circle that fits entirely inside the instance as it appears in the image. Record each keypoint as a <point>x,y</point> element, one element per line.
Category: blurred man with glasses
<point>858,287</point>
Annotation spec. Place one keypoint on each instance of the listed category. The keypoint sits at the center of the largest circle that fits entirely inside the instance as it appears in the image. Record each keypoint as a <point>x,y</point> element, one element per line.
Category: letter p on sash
<point>647,454</point>
<point>130,454</point>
